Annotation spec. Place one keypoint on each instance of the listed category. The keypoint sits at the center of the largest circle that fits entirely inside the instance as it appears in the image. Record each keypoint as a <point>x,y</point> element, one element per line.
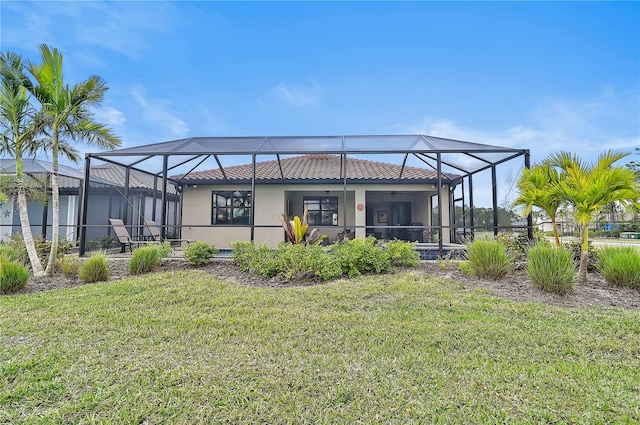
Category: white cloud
<point>27,32</point>
<point>109,116</point>
<point>297,95</point>
<point>212,124</point>
<point>158,112</point>
<point>122,27</point>
<point>584,126</point>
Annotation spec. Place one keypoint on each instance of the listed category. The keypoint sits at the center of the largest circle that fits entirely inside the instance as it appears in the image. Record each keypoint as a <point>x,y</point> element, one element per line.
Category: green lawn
<point>186,347</point>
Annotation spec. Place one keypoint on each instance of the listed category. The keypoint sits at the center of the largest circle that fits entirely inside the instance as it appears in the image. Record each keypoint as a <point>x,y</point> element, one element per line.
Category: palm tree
<point>69,118</point>
<point>20,125</point>
<point>589,187</point>
<point>535,186</point>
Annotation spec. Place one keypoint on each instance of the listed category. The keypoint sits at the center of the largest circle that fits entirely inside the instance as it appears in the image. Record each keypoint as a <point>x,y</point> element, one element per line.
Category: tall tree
<point>20,125</point>
<point>635,166</point>
<point>69,118</point>
<point>589,187</point>
<point>538,187</point>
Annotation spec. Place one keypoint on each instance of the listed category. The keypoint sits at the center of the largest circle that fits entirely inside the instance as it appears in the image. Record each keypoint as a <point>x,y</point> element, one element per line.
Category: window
<point>231,207</point>
<point>323,210</point>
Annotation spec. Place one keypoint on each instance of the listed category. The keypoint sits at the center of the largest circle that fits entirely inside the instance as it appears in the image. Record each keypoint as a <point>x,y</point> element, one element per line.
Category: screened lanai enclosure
<point>430,190</point>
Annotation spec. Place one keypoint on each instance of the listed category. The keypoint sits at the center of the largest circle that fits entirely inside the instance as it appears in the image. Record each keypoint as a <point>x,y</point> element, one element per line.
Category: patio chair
<point>154,229</point>
<point>124,237</point>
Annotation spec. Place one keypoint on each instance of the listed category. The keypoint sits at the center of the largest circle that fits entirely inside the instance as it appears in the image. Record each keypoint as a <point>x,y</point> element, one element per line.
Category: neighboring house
<point>40,215</point>
<point>384,200</point>
<point>109,198</point>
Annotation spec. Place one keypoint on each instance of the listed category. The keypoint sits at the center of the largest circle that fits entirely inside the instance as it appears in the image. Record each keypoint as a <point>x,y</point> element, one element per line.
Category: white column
<point>72,214</point>
<point>360,212</point>
<point>446,232</point>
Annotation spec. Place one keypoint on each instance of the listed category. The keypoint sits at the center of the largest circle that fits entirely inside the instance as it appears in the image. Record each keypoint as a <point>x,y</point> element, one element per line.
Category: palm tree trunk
<point>555,232</point>
<point>584,255</point>
<point>27,236</point>
<point>55,202</point>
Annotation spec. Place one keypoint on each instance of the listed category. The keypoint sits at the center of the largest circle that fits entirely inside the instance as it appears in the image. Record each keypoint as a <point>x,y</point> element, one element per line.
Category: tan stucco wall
<point>270,201</point>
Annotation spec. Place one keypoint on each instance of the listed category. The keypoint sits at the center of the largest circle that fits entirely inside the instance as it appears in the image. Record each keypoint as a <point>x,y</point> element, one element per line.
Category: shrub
<point>576,249</point>
<point>13,276</point>
<point>488,258</point>
<point>95,269</point>
<point>103,242</point>
<point>8,252</point>
<point>307,261</point>
<point>69,266</point>
<point>144,259</point>
<point>402,253</point>
<point>264,261</point>
<point>517,244</point>
<point>199,252</point>
<point>551,269</point>
<point>260,259</point>
<point>302,262</point>
<point>297,230</point>
<point>465,268</point>
<point>164,249</point>
<point>42,247</point>
<point>361,255</point>
<point>620,266</point>
<point>242,252</point>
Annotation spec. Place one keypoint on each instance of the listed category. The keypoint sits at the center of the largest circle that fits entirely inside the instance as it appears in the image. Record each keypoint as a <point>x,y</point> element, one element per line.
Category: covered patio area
<point>219,189</point>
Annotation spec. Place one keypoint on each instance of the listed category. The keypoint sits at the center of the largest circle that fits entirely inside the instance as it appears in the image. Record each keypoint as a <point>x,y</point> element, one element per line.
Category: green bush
<point>303,262</point>
<point>103,242</point>
<point>465,268</point>
<point>7,251</point>
<point>488,259</point>
<point>361,255</point>
<point>402,253</point>
<point>242,252</point>
<point>42,247</point>
<point>517,244</point>
<point>164,249</point>
<point>551,269</point>
<point>265,262</point>
<point>95,269</point>
<point>13,276</point>
<point>69,266</point>
<point>576,249</point>
<point>199,252</point>
<point>620,266</point>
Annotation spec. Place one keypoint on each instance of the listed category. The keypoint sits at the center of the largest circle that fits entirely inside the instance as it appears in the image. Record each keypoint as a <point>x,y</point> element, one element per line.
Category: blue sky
<point>540,75</point>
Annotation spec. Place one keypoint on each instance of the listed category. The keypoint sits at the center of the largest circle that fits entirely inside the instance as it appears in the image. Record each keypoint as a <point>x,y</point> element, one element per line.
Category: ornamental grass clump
<point>551,268</point>
<point>620,266</point>
<point>13,276</point>
<point>95,269</point>
<point>7,251</point>
<point>488,259</point>
<point>69,266</point>
<point>146,259</point>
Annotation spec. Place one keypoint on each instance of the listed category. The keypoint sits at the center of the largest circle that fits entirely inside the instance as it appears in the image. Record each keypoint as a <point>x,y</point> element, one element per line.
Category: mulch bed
<point>517,286</point>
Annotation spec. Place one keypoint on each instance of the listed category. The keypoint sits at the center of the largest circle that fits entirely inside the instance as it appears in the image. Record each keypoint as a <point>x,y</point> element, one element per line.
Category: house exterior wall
<point>10,221</point>
<point>271,200</point>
